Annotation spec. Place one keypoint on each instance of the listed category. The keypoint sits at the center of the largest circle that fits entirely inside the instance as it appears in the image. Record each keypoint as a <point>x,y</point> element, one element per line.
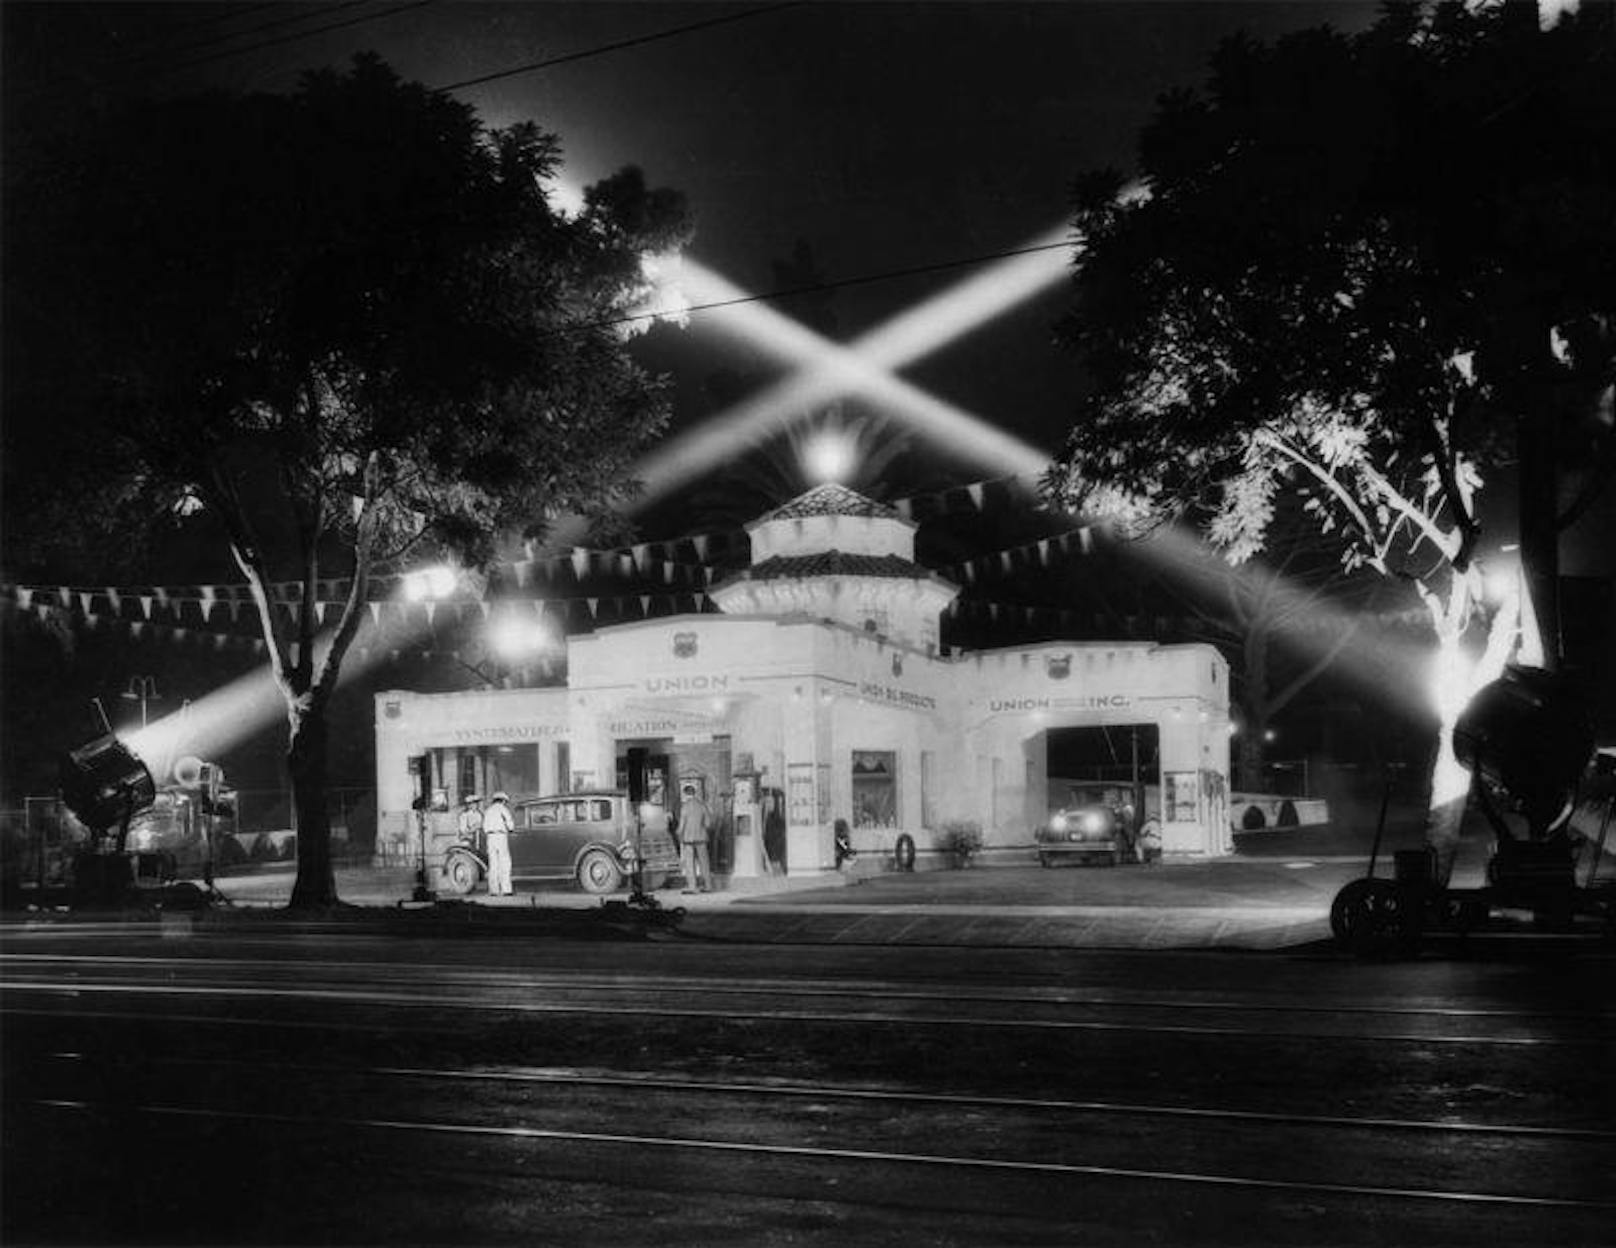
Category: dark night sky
<point>888,136</point>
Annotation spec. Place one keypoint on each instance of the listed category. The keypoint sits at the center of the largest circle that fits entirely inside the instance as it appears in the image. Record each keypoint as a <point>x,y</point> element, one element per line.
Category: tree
<point>1283,625</point>
<point>349,326</point>
<point>1361,267</point>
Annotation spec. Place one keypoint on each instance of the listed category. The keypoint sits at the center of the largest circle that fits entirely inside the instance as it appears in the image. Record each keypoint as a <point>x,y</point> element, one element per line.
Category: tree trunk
<point>1459,681</point>
<point>316,885</point>
<point>1249,763</point>
<point>1254,736</point>
<point>1450,790</point>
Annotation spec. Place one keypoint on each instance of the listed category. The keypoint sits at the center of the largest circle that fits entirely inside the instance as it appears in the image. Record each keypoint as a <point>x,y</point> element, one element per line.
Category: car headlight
<point>1058,823</point>
<point>1094,821</point>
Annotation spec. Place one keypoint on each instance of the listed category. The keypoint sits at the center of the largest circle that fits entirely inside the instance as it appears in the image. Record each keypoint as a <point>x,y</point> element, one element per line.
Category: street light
<point>141,689</point>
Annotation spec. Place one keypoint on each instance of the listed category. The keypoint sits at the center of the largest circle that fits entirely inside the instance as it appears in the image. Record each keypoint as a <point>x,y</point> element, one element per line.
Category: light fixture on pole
<point>142,689</point>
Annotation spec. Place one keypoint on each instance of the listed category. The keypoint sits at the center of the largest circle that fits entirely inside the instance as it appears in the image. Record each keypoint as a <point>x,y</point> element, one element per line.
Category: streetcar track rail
<point>426,998</point>
<point>884,989</point>
<point>796,1089</point>
<point>866,1156</point>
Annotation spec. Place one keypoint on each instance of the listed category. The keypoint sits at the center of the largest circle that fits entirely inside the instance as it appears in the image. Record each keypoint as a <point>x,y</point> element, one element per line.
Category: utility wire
<point>863,280</point>
<point>292,38</point>
<point>534,66</point>
<point>228,35</point>
<point>153,71</point>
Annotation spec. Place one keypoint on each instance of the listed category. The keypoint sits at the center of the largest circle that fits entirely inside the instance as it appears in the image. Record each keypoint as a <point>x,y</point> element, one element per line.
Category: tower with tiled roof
<point>833,554</point>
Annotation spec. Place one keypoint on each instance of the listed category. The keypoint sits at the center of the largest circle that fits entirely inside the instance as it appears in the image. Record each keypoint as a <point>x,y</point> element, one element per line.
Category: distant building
<point>821,693</point>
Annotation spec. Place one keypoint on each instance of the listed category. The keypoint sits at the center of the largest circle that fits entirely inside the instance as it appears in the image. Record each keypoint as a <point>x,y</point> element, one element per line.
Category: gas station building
<point>820,693</point>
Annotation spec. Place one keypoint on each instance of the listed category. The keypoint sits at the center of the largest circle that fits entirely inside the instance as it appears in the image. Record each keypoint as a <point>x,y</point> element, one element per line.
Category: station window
<point>875,789</point>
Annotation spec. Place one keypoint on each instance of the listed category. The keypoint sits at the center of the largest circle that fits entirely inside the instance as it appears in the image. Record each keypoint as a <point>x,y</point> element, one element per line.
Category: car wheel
<point>597,873</point>
<point>460,875</point>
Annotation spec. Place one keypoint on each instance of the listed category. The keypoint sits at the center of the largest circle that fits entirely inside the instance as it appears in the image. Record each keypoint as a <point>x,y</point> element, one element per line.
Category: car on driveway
<point>590,837</point>
<point>1100,822</point>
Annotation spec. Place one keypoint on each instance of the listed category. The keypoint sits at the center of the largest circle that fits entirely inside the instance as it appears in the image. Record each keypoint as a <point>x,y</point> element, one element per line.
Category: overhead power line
<point>842,284</point>
<point>534,66</point>
<point>227,53</point>
<point>226,36</point>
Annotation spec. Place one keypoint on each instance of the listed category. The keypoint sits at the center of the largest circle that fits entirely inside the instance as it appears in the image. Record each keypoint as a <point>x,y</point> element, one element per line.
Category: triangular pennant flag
<point>976,491</point>
<point>642,554</point>
<point>700,543</point>
<point>375,612</point>
<point>993,612</point>
<point>431,609</point>
<point>64,595</point>
<point>1085,538</point>
<point>580,562</point>
<point>523,569</point>
<point>85,598</point>
<point>1005,561</point>
<point>645,605</point>
<point>594,603</point>
<point>1043,553</point>
<point>319,611</point>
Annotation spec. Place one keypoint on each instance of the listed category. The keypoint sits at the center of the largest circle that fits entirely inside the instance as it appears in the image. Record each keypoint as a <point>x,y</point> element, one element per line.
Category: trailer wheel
<point>1375,919</point>
<point>460,874</point>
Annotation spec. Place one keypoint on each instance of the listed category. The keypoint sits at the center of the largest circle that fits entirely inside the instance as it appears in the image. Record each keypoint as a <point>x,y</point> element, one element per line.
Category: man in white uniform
<point>497,824</point>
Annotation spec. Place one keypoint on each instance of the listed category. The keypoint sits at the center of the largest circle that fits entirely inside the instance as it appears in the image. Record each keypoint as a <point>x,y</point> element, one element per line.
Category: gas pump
<point>748,859</point>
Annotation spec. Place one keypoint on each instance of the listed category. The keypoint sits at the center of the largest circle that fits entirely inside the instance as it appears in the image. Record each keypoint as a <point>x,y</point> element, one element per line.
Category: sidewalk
<point>1224,903</point>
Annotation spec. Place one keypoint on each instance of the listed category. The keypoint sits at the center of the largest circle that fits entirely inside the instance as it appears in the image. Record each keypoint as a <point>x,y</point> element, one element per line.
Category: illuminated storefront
<point>821,694</point>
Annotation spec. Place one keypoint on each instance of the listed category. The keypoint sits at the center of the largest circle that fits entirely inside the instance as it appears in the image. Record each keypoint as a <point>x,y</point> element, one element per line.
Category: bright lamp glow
<point>515,639</point>
<point>438,581</point>
<point>828,456</point>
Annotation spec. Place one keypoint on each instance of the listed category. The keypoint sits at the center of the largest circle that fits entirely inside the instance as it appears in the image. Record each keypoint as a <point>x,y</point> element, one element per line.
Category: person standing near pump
<point>694,822</point>
<point>471,821</point>
<point>497,825</point>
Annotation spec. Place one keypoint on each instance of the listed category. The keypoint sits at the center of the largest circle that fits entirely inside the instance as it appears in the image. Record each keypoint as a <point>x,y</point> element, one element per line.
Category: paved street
<point>292,1082</point>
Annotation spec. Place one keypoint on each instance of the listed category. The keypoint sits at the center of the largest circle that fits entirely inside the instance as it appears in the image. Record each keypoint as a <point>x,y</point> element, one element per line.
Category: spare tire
<point>903,853</point>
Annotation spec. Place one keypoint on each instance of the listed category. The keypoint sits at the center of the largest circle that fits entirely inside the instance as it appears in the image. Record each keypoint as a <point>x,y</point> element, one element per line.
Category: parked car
<point>1099,822</point>
<point>590,837</point>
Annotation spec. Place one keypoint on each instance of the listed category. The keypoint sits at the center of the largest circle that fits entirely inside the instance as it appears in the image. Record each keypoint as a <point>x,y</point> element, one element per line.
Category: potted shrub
<point>961,839</point>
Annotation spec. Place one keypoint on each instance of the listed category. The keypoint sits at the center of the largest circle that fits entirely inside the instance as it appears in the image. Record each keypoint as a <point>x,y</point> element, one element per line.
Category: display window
<point>875,789</point>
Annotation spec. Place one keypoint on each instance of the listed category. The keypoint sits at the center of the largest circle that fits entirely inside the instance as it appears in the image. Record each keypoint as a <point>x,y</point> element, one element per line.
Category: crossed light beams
<point>825,370</point>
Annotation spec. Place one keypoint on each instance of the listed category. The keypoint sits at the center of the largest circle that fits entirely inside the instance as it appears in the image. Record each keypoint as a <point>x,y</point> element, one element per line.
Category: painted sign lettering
<point>509,732</point>
<point>898,697</point>
<point>686,684</point>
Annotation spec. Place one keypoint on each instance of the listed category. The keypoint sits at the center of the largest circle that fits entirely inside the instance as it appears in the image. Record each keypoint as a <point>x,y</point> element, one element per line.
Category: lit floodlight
<point>515,639</point>
<point>828,456</point>
<point>424,584</point>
